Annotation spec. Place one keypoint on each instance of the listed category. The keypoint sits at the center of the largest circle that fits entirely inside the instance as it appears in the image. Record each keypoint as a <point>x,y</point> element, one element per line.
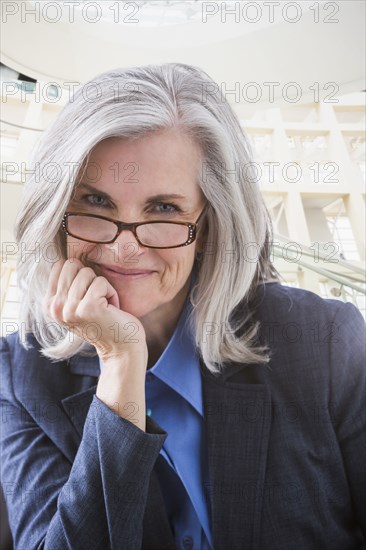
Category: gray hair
<point>130,103</point>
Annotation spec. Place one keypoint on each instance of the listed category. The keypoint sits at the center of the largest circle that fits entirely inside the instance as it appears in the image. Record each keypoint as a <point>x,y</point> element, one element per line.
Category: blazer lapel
<point>237,430</point>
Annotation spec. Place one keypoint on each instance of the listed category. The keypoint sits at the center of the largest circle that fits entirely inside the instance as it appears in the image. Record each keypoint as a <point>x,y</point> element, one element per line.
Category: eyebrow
<point>153,198</point>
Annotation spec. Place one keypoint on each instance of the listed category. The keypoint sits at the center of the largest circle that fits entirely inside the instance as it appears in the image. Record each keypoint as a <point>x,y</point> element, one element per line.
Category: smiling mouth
<point>125,273</point>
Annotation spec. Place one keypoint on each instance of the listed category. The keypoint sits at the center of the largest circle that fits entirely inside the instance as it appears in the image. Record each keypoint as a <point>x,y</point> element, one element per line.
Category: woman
<point>167,392</point>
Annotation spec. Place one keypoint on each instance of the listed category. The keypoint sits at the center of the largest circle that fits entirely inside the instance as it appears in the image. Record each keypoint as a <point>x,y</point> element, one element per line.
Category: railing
<point>351,277</point>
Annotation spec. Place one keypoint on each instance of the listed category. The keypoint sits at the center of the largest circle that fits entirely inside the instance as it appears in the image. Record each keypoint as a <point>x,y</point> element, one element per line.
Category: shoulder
<point>308,316</point>
<point>12,342</point>
<point>15,358</point>
<point>27,374</point>
<point>14,354</point>
<point>283,302</point>
<point>313,341</point>
<point>315,345</point>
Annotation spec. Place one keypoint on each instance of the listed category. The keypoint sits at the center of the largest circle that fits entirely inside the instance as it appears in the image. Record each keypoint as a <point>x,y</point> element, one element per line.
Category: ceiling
<point>249,45</point>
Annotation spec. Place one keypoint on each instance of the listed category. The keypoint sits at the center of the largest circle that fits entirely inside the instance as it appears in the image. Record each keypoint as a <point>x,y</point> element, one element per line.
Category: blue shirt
<point>174,400</point>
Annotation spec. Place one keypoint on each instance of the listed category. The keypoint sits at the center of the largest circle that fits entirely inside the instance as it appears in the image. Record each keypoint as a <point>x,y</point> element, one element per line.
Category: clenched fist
<point>88,305</point>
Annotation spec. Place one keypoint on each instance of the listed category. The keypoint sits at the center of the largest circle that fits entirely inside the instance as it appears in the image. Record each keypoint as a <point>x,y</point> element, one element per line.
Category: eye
<point>103,202</point>
<point>167,208</point>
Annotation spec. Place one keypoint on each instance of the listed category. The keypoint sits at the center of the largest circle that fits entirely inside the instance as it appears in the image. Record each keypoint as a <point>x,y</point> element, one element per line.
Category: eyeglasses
<point>154,234</point>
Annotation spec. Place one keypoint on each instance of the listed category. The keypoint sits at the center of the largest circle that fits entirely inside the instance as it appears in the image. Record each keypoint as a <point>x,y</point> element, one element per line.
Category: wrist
<point>123,356</point>
<point>122,363</point>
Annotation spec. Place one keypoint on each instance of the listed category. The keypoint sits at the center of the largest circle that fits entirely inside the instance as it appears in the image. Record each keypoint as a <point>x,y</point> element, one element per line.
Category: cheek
<point>178,262</point>
<point>82,250</point>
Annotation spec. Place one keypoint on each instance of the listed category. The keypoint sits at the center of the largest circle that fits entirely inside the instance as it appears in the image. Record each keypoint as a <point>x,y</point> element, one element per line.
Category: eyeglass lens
<point>152,234</point>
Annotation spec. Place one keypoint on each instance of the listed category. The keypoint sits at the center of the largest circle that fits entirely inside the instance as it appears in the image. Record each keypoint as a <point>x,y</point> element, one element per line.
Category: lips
<point>123,271</point>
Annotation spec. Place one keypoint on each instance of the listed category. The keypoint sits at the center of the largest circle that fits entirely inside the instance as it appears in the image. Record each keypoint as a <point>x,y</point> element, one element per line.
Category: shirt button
<point>187,543</point>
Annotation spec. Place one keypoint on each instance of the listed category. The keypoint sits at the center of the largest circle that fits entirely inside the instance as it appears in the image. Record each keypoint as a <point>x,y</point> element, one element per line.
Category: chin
<point>136,307</point>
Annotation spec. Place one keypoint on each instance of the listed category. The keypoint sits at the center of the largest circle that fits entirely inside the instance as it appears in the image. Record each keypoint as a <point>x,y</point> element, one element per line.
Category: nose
<point>126,248</point>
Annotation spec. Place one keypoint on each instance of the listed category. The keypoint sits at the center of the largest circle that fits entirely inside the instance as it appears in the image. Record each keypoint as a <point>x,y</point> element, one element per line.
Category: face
<point>135,175</point>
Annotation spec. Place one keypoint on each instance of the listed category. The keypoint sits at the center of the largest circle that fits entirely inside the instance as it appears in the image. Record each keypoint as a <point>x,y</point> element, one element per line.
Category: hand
<point>89,305</point>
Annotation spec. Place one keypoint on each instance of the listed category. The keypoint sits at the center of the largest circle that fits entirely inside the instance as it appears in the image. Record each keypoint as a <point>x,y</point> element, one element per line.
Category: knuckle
<point>68,313</point>
<point>87,271</point>
<point>56,307</point>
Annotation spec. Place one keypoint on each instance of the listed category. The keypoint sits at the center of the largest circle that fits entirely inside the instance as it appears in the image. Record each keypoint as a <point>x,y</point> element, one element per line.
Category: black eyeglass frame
<point>121,226</point>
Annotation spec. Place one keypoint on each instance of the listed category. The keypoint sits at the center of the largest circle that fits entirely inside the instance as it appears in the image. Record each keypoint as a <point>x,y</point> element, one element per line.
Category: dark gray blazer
<point>286,443</point>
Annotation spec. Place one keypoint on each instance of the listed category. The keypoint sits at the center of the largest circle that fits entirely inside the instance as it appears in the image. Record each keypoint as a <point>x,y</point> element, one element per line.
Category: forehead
<point>173,139</point>
<point>160,156</point>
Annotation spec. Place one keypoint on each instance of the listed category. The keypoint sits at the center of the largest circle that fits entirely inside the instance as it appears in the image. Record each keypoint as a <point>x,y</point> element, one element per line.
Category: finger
<point>102,293</point>
<point>52,287</point>
<point>80,284</point>
<point>57,297</point>
<point>53,278</point>
<point>108,291</point>
<point>68,273</point>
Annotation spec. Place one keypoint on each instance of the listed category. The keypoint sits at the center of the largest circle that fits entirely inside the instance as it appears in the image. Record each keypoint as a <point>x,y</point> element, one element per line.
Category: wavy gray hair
<point>130,103</point>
